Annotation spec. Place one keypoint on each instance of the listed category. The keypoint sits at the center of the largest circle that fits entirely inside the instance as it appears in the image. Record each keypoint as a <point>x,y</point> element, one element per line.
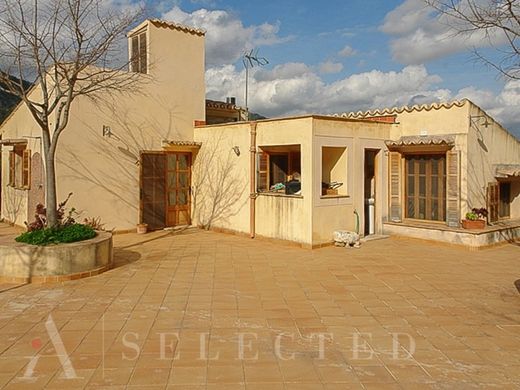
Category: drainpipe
<point>252,170</point>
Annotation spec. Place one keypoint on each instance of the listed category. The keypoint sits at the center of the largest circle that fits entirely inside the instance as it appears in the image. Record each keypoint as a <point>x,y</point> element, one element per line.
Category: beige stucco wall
<point>335,213</point>
<point>103,172</point>
<point>488,146</point>
<point>309,219</point>
<point>480,147</point>
<point>281,217</point>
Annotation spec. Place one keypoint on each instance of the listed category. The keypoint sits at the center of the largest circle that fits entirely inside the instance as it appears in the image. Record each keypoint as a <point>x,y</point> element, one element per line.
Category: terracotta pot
<point>142,228</point>
<point>469,224</point>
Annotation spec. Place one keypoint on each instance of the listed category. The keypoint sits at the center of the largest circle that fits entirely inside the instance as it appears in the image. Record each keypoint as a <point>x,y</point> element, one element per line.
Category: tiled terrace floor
<point>460,308</point>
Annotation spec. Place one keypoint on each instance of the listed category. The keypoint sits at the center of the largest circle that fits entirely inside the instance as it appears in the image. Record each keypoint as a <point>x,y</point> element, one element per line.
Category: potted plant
<point>142,228</point>
<point>475,219</point>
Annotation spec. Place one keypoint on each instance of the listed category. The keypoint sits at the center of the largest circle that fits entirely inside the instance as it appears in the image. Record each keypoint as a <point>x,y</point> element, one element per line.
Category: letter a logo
<point>59,347</point>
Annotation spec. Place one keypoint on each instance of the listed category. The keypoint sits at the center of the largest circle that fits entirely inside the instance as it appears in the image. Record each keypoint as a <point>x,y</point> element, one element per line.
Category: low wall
<point>22,263</point>
<point>472,239</point>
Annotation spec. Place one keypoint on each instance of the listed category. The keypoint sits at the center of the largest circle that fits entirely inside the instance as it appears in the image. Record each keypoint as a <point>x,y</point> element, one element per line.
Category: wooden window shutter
<point>395,187</point>
<point>135,54</point>
<point>26,169</point>
<point>12,168</point>
<point>263,172</point>
<point>453,188</point>
<point>143,65</point>
<point>493,201</point>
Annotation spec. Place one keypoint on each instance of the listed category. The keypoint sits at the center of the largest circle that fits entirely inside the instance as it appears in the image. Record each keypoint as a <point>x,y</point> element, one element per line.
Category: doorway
<point>370,191</point>
<point>165,189</point>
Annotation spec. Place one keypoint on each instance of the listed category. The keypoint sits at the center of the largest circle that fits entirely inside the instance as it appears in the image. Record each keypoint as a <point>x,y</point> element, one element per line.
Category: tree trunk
<point>50,190</point>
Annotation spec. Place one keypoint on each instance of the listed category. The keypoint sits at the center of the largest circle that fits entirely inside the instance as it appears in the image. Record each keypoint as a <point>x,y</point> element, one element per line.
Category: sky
<point>341,56</point>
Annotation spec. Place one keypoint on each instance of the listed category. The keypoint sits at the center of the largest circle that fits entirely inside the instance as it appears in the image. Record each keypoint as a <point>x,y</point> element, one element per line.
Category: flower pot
<point>142,228</point>
<point>477,224</point>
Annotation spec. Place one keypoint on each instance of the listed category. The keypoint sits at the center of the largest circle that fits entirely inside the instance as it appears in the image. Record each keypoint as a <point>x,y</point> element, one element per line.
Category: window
<point>139,63</point>
<point>504,205</point>
<point>426,187</point>
<point>333,171</point>
<point>20,167</point>
<point>279,169</point>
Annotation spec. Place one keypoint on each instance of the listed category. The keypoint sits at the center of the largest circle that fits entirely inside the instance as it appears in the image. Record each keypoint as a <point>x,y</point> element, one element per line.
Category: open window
<point>279,169</point>
<point>333,171</point>
<point>20,167</point>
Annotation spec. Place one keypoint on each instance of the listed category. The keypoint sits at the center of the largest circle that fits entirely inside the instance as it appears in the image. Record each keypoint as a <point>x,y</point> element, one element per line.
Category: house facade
<point>162,157</point>
<point>411,171</point>
<point>109,140</point>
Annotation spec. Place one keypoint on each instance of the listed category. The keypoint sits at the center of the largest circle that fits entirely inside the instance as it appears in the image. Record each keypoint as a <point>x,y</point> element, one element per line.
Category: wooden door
<point>178,182</point>
<point>153,191</point>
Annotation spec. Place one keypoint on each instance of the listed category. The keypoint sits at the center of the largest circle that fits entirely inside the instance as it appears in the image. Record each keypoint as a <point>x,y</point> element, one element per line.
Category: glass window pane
<point>183,162</point>
<point>172,162</point>
<point>422,166</point>
<point>411,185</point>
<point>422,185</point>
<point>172,198</point>
<point>172,179</point>
<point>435,186</point>
<point>182,197</point>
<point>411,163</point>
<point>435,166</point>
<point>410,208</point>
<point>435,209</point>
<point>422,208</point>
<point>183,179</point>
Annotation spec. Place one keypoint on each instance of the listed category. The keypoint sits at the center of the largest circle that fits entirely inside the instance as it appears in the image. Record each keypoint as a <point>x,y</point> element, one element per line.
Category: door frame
<point>165,153</point>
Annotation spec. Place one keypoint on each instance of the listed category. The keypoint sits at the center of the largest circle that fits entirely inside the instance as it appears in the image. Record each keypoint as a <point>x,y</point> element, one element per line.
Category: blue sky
<point>339,56</point>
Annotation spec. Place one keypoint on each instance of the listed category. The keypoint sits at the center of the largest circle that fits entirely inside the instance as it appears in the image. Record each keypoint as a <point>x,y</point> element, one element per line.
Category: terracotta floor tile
<point>226,374</point>
<point>459,307</point>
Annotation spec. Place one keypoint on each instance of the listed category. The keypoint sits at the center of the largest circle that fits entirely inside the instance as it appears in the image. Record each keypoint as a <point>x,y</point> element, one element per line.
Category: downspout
<point>252,189</point>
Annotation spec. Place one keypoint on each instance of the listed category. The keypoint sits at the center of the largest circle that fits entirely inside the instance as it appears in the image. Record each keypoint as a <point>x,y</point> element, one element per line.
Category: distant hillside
<point>8,101</point>
<point>256,117</point>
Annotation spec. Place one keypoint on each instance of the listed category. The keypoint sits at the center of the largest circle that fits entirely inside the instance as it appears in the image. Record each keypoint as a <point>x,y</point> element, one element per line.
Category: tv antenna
<point>250,60</point>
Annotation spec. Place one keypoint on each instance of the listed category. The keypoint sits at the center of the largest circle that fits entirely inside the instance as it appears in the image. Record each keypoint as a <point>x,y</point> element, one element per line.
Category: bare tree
<point>498,20</point>
<point>67,47</point>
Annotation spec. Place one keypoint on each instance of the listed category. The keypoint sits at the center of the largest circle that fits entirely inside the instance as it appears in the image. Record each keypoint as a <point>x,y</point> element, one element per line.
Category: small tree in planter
<point>475,219</point>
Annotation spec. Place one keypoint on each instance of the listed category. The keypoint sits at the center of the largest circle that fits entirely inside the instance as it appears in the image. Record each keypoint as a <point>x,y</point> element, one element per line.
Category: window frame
<point>20,168</point>
<point>264,159</point>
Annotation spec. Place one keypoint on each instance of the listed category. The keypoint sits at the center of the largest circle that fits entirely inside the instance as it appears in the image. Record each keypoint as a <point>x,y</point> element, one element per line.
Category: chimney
<point>231,100</point>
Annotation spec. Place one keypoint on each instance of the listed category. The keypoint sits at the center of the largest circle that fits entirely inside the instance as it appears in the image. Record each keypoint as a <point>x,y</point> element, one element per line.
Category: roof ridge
<point>177,26</point>
<point>399,110</point>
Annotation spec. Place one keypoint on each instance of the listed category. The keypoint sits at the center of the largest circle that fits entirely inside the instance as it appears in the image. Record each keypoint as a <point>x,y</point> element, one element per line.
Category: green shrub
<point>65,234</point>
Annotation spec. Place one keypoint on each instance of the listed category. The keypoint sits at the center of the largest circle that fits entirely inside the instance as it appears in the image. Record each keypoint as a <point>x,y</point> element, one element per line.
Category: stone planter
<point>23,263</point>
<point>473,225</point>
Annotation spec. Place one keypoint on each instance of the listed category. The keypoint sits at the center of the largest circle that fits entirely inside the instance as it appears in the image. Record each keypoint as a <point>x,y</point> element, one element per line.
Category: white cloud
<point>329,67</point>
<point>295,88</point>
<point>502,106</point>
<point>347,51</point>
<point>420,35</point>
<point>226,38</point>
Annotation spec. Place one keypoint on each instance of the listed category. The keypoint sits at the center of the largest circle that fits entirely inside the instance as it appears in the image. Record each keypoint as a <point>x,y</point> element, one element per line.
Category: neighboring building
<point>224,112</point>
<point>423,168</point>
<point>140,159</point>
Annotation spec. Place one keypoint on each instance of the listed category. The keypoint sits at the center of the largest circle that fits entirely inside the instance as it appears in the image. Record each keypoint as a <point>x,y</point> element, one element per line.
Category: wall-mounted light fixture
<point>475,120</point>
<point>236,149</point>
<point>107,131</point>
